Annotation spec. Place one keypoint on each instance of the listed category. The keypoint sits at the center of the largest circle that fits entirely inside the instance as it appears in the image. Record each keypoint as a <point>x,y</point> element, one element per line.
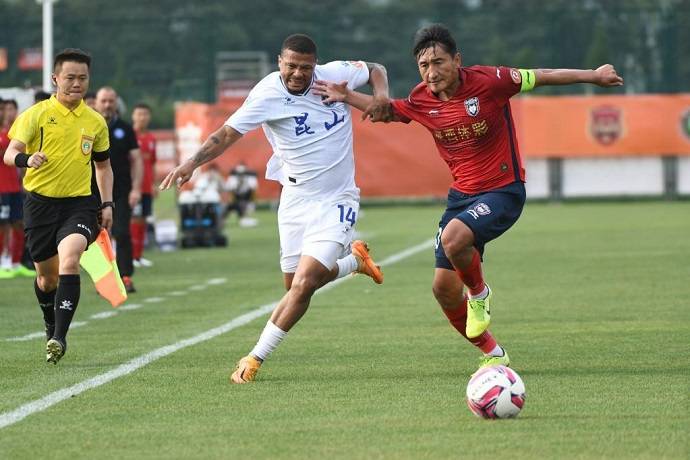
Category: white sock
<point>346,265</point>
<point>270,338</point>
<point>481,295</point>
<point>497,351</point>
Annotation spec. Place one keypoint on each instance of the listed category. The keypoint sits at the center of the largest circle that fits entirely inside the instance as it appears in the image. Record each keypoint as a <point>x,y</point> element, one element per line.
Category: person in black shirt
<point>241,184</point>
<point>125,159</point>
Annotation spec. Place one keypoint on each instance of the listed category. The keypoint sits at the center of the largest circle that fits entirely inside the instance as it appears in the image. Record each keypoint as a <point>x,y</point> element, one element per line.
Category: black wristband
<point>21,160</point>
<point>108,204</point>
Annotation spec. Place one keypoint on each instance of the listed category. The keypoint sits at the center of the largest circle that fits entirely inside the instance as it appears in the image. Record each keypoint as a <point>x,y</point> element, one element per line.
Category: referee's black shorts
<point>47,221</point>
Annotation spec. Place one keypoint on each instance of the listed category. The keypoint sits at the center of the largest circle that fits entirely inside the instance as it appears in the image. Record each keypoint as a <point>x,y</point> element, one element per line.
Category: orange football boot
<point>365,264</point>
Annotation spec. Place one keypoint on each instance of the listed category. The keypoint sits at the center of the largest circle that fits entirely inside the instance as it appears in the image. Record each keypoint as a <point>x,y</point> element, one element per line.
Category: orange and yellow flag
<point>99,262</point>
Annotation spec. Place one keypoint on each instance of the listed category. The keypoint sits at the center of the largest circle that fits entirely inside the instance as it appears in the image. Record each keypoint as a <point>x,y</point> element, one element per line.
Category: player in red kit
<point>11,200</point>
<point>467,111</point>
<point>141,117</point>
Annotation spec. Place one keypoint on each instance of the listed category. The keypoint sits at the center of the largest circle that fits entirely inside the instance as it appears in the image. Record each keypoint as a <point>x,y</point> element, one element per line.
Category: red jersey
<point>9,177</point>
<point>474,130</point>
<point>147,146</point>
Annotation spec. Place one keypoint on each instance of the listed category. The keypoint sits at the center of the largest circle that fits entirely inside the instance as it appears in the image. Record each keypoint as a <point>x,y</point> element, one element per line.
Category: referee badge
<point>86,144</point>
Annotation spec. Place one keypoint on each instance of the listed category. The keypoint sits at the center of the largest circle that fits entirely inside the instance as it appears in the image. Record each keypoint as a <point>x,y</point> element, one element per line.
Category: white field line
<point>154,299</point>
<point>104,314</point>
<point>395,258</point>
<point>38,335</point>
<point>38,405</point>
<point>214,281</point>
<point>111,313</point>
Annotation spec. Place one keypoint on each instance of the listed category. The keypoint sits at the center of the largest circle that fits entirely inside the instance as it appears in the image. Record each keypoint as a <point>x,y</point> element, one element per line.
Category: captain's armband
<point>529,79</point>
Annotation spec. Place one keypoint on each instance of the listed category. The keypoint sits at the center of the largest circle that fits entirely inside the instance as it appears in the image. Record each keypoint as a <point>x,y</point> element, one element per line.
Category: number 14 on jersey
<point>349,215</point>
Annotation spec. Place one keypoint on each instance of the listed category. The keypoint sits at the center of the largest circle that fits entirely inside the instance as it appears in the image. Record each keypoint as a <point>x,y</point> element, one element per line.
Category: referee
<point>56,140</point>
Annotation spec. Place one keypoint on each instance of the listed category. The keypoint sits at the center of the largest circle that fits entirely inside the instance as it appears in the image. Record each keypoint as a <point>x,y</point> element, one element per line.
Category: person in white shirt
<point>313,160</point>
<point>209,180</point>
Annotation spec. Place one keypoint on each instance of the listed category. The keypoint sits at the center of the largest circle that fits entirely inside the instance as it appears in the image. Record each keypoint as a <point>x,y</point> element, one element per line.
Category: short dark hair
<point>11,102</point>
<point>41,95</point>
<point>90,95</point>
<point>71,55</point>
<point>433,35</point>
<point>299,43</point>
<point>142,105</point>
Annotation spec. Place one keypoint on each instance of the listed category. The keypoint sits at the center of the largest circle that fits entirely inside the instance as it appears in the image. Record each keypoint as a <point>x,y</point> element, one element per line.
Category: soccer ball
<point>495,392</point>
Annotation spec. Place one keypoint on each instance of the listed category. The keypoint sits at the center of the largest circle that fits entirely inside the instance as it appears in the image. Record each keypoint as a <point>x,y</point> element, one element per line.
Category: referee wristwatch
<point>108,204</point>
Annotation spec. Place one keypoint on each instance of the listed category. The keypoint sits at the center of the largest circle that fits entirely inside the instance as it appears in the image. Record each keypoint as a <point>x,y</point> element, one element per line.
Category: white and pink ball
<point>495,392</point>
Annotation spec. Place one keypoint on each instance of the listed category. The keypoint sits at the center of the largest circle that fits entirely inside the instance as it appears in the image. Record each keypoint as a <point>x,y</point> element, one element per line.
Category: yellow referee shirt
<point>67,137</point>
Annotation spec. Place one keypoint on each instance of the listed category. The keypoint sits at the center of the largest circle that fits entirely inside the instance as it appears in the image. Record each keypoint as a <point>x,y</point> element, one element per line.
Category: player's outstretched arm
<point>213,147</point>
<point>339,92</point>
<point>604,76</point>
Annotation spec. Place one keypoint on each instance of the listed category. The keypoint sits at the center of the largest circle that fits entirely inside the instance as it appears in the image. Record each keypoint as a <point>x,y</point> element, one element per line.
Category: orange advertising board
<point>398,159</point>
<point>578,126</point>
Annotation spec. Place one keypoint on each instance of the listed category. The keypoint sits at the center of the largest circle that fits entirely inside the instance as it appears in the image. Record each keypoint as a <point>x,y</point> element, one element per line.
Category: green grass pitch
<point>592,300</point>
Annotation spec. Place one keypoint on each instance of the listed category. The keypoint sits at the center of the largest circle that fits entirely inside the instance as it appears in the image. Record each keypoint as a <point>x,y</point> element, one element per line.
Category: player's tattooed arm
<point>379,109</point>
<point>215,145</point>
<point>378,80</point>
<point>206,152</point>
<point>212,148</point>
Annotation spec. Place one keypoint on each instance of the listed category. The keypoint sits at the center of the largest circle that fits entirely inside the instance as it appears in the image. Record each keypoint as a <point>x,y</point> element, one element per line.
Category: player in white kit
<point>313,160</point>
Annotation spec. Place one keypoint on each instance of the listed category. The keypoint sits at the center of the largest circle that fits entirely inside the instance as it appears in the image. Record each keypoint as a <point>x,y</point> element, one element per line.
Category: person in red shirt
<point>467,111</point>
<point>141,117</point>
<point>11,199</point>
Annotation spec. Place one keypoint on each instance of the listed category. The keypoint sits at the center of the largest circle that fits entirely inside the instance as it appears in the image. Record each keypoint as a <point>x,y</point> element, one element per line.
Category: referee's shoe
<point>55,349</point>
<point>129,284</point>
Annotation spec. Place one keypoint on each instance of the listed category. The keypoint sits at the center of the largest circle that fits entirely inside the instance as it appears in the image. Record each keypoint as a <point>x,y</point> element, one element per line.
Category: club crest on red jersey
<point>472,106</point>
<point>606,124</point>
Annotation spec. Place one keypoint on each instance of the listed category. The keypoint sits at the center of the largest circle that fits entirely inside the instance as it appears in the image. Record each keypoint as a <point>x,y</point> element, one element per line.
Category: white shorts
<point>304,224</point>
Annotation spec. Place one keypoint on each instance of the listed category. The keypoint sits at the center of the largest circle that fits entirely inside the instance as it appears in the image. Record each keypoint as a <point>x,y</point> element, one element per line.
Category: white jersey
<point>312,141</point>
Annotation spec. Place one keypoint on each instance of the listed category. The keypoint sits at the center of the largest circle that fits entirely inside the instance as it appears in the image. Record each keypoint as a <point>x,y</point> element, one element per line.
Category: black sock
<point>46,300</point>
<point>66,301</point>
